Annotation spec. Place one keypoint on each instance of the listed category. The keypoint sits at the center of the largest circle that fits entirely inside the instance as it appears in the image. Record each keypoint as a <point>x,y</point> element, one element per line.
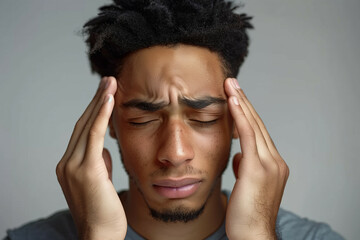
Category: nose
<point>175,146</point>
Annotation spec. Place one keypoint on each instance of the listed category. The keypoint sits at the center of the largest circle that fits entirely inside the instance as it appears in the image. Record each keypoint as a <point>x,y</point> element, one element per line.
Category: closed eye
<point>142,123</point>
<point>204,123</point>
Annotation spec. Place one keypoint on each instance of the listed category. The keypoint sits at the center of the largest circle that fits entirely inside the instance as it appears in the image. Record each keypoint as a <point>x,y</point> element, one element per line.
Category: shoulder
<point>291,226</point>
<point>57,226</point>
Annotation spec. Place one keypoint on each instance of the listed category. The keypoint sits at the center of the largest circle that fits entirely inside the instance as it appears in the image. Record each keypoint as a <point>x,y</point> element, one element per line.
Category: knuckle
<point>79,177</point>
<point>93,132</point>
<point>283,166</point>
<point>59,169</point>
<point>284,169</point>
<point>79,123</point>
<point>84,175</point>
<point>260,174</point>
<point>287,171</point>
<point>102,113</point>
<point>249,132</point>
<point>69,170</point>
<point>274,167</point>
<point>59,172</point>
<point>61,163</point>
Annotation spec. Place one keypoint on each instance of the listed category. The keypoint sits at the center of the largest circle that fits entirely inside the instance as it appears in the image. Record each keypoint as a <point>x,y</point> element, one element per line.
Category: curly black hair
<point>130,25</point>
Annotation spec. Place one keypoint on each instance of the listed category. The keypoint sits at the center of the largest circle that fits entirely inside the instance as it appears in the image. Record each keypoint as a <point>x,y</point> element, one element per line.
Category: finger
<point>246,133</point>
<point>108,163</point>
<point>83,119</point>
<point>94,149</point>
<point>81,145</point>
<point>260,141</point>
<point>265,133</point>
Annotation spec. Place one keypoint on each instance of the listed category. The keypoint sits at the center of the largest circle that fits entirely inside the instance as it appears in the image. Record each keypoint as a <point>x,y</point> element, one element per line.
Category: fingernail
<point>235,83</point>
<point>108,98</point>
<point>235,100</point>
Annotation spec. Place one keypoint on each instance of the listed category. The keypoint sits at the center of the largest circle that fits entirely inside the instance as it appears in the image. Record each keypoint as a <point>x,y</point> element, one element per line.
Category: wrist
<point>97,234</point>
<point>252,234</point>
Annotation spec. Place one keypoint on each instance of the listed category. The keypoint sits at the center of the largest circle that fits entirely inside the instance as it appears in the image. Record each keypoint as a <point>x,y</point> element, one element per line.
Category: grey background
<point>302,76</point>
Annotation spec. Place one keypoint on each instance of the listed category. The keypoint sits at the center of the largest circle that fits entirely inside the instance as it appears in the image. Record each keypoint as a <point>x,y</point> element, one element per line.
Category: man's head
<point>170,117</point>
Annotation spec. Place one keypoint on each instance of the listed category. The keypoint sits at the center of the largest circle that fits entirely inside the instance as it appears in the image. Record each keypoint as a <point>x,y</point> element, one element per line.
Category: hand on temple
<point>260,171</point>
<point>84,172</point>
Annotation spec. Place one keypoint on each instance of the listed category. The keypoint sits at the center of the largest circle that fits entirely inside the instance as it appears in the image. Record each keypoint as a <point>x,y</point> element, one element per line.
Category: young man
<point>173,104</point>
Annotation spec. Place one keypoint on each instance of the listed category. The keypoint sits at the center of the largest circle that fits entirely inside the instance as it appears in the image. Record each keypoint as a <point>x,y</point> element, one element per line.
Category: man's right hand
<point>84,172</point>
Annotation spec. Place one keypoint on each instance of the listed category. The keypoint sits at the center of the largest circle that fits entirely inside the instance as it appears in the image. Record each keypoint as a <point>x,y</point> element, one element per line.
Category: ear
<point>235,134</point>
<point>111,128</point>
<point>108,162</point>
<point>236,162</point>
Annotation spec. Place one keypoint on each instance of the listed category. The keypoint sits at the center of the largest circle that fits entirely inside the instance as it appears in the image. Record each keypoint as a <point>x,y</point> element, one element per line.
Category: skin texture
<point>175,141</point>
<point>174,145</point>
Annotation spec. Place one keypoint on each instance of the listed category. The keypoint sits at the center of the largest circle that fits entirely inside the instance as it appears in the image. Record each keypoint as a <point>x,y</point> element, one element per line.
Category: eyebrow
<point>145,106</point>
<point>202,102</point>
<point>199,103</point>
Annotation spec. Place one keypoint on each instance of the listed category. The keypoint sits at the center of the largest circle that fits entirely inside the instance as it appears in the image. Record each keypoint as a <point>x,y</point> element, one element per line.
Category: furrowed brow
<point>202,102</point>
<point>145,106</point>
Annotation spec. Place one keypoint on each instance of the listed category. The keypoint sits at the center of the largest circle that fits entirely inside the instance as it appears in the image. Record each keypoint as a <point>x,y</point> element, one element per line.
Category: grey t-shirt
<point>60,226</point>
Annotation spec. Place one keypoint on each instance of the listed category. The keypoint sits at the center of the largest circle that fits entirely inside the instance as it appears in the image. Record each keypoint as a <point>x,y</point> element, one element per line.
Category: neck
<point>139,218</point>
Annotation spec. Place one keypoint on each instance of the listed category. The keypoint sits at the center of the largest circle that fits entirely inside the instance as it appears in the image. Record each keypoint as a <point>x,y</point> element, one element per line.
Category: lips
<point>175,189</point>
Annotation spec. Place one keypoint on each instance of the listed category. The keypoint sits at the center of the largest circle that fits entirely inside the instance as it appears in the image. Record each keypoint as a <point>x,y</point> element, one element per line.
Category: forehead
<point>188,70</point>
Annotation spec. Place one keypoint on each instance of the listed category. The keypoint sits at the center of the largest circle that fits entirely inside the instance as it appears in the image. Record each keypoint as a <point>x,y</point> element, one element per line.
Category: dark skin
<point>172,112</point>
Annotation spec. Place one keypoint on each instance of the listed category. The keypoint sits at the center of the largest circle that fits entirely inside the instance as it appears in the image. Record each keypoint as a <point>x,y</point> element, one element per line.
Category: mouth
<point>177,188</point>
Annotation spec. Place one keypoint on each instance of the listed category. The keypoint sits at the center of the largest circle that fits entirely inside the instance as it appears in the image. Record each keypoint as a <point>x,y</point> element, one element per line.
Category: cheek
<point>135,149</point>
<point>137,157</point>
<point>215,148</point>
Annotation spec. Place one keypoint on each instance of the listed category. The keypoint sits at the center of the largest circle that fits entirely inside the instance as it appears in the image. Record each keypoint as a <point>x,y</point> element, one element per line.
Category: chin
<point>177,214</point>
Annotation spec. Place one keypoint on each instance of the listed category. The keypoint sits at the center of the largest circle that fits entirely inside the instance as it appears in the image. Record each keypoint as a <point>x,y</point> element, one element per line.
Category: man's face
<point>173,126</point>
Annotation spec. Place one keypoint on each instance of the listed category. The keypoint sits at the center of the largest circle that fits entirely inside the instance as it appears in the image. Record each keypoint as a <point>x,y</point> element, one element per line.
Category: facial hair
<point>179,214</point>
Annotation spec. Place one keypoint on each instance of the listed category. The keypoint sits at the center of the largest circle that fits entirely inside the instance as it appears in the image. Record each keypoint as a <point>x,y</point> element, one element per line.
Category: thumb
<point>108,162</point>
<point>236,161</point>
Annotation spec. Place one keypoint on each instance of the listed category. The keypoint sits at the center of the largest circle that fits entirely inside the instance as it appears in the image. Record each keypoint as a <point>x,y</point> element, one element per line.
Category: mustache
<point>188,170</point>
